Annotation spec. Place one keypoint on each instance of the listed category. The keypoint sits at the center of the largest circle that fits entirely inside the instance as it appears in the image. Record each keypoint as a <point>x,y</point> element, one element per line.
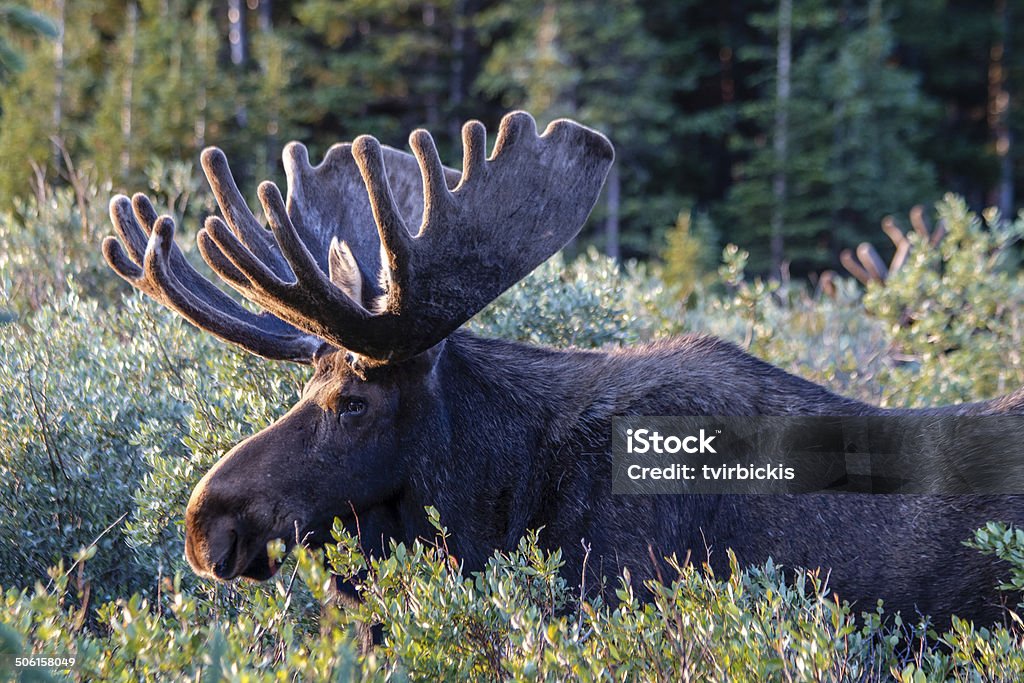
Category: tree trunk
<point>127,85</point>
<point>203,48</point>
<point>58,79</point>
<point>431,98</point>
<point>239,48</point>
<point>456,75</point>
<point>611,221</point>
<point>999,109</point>
<point>237,38</point>
<point>270,141</point>
<point>781,137</point>
<point>265,16</point>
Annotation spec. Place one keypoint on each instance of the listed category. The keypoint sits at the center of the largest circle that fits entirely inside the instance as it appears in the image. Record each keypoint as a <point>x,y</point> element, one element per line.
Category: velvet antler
<point>340,263</point>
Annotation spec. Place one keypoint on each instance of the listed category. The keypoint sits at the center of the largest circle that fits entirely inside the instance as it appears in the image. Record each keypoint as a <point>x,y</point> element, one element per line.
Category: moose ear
<point>344,271</point>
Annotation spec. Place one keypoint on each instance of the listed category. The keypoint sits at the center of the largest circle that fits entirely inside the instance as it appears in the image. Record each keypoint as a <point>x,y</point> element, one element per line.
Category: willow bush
<point>518,619</point>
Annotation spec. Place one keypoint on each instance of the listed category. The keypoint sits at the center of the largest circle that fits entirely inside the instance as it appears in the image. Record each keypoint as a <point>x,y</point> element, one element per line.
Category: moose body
<point>406,411</point>
<point>505,437</point>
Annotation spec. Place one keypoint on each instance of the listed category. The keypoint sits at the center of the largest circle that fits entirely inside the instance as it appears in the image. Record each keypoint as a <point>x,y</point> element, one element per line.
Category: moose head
<point>347,287</point>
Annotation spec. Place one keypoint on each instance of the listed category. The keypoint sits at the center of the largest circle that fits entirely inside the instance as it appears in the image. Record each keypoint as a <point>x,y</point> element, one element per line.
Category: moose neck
<point>488,411</point>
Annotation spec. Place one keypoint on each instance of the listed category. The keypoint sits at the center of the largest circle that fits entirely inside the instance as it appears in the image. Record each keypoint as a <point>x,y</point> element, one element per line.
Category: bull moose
<point>406,410</point>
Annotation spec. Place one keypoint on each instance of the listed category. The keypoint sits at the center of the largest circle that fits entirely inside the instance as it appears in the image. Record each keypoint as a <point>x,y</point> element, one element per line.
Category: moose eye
<point>353,406</point>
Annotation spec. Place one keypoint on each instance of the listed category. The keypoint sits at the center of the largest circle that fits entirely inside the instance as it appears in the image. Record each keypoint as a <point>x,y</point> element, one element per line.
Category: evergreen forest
<point>788,127</point>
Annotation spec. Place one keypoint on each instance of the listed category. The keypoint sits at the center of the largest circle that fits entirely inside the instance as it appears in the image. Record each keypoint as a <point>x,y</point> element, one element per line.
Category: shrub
<point>72,396</point>
<point>108,416</point>
<point>113,415</point>
<point>517,619</point>
<point>1005,542</point>
<point>955,313</point>
<point>831,341</point>
<point>689,253</point>
<point>51,238</point>
<point>590,302</point>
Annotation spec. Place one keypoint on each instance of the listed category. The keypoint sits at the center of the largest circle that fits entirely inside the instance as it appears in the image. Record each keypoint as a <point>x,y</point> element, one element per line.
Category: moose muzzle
<point>234,511</point>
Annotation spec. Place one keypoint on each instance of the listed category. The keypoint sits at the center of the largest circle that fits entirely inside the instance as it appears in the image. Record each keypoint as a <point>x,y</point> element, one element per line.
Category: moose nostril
<point>222,568</point>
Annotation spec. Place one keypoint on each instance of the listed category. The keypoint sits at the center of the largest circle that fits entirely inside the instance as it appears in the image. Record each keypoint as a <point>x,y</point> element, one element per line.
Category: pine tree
<point>26,126</point>
<point>948,45</point>
<point>163,96</point>
<point>386,67</point>
<point>878,132</point>
<point>596,62</point>
<point>30,110</point>
<point>853,141</point>
<point>18,22</point>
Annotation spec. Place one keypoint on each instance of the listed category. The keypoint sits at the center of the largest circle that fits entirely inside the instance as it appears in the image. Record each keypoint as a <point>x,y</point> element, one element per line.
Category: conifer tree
<point>18,22</point>
<point>594,61</point>
<point>853,141</point>
<point>42,103</point>
<point>385,67</point>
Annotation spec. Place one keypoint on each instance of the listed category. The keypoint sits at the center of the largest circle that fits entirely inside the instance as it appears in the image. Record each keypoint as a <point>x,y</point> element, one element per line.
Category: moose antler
<point>341,265</point>
<point>867,266</point>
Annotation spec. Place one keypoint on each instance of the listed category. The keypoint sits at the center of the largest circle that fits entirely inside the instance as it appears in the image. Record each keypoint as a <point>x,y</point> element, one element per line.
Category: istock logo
<point>641,441</point>
<point>905,454</point>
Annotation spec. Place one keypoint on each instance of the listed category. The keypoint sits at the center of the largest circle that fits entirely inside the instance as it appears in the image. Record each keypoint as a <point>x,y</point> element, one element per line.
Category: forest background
<point>788,127</point>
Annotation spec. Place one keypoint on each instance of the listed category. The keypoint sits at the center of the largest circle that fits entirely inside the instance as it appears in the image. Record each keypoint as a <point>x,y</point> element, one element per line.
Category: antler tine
<point>872,262</point>
<point>474,150</point>
<point>237,213</point>
<point>900,257</point>
<point>309,301</point>
<point>507,215</point>
<point>309,276</point>
<point>893,231</point>
<point>246,273</point>
<point>394,235</point>
<point>323,297</point>
<point>854,267</point>
<point>158,268</point>
<point>917,220</point>
<point>245,255</point>
<point>435,188</point>
<point>295,252</point>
